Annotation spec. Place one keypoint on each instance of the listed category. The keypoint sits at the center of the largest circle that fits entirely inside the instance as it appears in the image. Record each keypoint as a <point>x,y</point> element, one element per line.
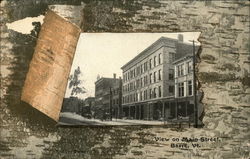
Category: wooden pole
<point>194,83</point>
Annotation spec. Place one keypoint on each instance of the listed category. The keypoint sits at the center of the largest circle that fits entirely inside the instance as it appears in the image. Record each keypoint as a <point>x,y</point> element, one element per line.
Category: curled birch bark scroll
<point>47,78</point>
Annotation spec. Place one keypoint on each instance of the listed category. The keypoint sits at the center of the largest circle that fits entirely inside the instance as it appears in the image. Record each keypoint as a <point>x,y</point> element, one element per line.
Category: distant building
<point>107,97</point>
<point>148,80</point>
<point>116,99</point>
<point>87,108</point>
<point>72,104</point>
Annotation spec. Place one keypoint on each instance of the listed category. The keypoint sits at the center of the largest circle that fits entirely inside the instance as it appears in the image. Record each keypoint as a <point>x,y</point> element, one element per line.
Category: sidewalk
<point>75,119</point>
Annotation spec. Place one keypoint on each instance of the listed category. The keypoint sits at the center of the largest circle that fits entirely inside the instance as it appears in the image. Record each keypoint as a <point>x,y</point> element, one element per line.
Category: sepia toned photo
<point>133,79</point>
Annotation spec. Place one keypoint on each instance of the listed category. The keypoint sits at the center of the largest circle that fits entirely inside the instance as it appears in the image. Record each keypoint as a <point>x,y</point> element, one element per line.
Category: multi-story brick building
<point>148,80</point>
<point>116,99</point>
<point>108,97</point>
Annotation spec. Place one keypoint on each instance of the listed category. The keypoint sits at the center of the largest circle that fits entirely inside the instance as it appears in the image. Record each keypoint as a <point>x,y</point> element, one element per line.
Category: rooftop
<point>183,48</point>
<point>107,78</point>
<point>148,48</point>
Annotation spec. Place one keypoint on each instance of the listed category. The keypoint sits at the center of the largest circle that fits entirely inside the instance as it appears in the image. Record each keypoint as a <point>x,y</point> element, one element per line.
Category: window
<point>154,93</point>
<point>137,83</point>
<point>145,66</point>
<point>190,88</point>
<point>171,57</point>
<point>159,75</point>
<point>141,82</point>
<point>137,71</point>
<point>180,70</point>
<point>150,78</point>
<point>154,61</point>
<point>150,93</point>
<point>171,89</point>
<point>189,67</point>
<point>181,89</point>
<point>159,91</point>
<point>141,68</point>
<point>145,95</point>
<point>171,74</point>
<point>150,63</point>
<point>140,96</point>
<point>159,58</point>
<point>154,77</point>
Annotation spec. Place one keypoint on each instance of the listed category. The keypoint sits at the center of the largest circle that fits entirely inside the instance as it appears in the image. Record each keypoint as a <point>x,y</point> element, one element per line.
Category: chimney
<point>180,37</point>
<point>114,75</point>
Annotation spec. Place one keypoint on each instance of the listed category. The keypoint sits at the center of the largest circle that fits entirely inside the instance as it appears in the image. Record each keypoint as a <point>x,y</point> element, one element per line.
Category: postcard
<point>124,79</point>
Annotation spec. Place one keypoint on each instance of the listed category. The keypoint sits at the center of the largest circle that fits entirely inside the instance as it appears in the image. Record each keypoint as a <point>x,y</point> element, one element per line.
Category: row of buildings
<point>157,84</point>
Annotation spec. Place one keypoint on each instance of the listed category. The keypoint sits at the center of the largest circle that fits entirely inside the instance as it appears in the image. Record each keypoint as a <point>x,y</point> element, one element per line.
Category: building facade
<point>107,97</point>
<point>149,81</point>
<point>184,86</point>
<point>116,99</point>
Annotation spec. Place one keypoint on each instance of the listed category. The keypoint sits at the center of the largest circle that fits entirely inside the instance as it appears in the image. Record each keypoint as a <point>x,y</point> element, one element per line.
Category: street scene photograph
<point>133,79</point>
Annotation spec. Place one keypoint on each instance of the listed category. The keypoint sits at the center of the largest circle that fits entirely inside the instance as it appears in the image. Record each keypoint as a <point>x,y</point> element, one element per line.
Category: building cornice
<point>161,41</point>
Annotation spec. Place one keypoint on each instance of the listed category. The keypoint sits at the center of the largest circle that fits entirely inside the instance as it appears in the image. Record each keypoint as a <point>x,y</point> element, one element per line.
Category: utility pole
<point>110,103</point>
<point>195,89</point>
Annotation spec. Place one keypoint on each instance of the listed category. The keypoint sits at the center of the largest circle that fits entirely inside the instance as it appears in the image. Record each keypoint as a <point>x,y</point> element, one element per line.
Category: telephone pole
<point>195,89</point>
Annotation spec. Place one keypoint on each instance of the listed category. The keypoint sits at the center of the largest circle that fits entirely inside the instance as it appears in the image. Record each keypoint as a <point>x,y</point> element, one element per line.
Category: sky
<point>105,53</point>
